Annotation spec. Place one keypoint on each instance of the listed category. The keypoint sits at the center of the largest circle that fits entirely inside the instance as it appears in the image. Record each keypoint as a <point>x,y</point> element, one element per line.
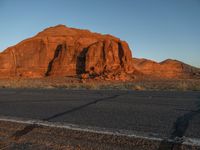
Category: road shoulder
<point>33,134</point>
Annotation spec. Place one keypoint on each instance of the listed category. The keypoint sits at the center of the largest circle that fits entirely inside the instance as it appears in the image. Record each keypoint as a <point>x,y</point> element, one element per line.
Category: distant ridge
<point>166,69</point>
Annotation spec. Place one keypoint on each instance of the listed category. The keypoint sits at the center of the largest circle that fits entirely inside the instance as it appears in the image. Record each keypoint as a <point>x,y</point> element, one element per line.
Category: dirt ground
<point>76,83</point>
<point>17,136</point>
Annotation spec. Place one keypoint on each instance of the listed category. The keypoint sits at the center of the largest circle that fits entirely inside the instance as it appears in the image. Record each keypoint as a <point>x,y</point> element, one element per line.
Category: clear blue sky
<point>154,29</point>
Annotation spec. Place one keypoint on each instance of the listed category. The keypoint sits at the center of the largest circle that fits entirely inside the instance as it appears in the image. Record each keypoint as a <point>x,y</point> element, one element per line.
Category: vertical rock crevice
<point>81,62</point>
<point>15,62</point>
<point>120,54</point>
<point>56,54</point>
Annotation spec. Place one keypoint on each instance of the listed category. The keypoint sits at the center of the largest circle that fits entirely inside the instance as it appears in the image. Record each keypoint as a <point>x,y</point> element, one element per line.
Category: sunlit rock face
<point>63,51</point>
<point>165,69</point>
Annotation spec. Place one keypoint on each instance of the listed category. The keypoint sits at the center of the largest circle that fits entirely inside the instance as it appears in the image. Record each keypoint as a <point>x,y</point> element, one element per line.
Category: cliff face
<point>63,51</point>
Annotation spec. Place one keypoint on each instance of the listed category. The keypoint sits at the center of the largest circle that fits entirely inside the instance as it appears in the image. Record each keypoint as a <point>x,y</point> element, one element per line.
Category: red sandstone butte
<point>63,51</point>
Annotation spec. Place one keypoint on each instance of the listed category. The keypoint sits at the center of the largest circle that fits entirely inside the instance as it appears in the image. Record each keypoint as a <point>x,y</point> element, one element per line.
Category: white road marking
<point>126,133</point>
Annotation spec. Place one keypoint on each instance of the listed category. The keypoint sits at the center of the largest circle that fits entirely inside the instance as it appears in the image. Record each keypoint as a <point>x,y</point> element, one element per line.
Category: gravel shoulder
<point>21,136</point>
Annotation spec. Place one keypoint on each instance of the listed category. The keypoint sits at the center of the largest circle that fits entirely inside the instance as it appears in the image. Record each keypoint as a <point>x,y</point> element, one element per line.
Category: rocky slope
<point>165,69</point>
<point>63,51</point>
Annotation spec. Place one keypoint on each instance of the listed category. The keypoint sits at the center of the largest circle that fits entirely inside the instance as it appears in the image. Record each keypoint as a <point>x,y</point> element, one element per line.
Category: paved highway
<point>161,114</point>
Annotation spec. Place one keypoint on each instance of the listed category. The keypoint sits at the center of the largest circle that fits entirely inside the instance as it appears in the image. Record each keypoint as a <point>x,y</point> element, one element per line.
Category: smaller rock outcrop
<point>166,69</point>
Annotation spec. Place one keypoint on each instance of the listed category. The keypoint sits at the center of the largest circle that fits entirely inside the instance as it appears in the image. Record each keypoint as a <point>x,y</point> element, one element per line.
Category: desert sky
<point>156,29</point>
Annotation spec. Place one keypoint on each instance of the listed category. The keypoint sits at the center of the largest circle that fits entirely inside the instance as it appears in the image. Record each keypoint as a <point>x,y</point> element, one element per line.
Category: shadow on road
<point>26,130</point>
<point>179,129</point>
<point>30,128</point>
<point>78,108</point>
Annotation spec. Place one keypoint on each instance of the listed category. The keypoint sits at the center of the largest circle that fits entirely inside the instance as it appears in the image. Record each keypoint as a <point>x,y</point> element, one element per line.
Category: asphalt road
<point>161,114</point>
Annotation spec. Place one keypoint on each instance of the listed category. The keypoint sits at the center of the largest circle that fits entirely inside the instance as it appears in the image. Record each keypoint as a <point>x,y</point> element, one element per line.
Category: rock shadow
<point>56,54</point>
<point>120,53</point>
<point>81,62</point>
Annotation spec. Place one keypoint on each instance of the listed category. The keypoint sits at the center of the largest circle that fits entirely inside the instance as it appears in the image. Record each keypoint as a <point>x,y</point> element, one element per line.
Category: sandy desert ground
<point>76,83</point>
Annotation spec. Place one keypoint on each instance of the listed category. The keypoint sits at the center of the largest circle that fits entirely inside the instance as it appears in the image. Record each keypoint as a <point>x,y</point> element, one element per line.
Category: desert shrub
<point>183,86</point>
<point>138,88</point>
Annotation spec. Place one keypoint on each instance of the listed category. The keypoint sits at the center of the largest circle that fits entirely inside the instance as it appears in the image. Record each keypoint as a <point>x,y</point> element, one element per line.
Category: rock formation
<point>165,69</point>
<point>63,51</point>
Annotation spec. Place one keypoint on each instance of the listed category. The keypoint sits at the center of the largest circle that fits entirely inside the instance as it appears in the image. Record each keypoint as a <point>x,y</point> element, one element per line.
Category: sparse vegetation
<point>75,83</point>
